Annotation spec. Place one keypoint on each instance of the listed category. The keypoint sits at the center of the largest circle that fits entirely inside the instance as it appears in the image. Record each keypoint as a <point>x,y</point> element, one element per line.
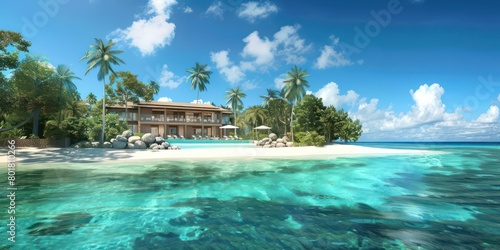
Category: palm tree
<point>91,98</point>
<point>255,114</point>
<point>154,88</point>
<point>271,95</point>
<point>65,77</point>
<point>295,89</point>
<point>102,56</point>
<point>199,77</point>
<point>234,97</point>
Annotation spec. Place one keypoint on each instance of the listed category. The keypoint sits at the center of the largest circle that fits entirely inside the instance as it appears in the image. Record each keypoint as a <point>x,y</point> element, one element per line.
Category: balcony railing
<point>131,117</point>
<point>192,119</point>
<point>153,118</point>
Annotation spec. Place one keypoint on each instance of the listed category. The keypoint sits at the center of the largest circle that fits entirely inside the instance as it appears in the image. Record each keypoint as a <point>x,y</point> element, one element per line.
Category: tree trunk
<point>291,123</point>
<point>20,124</point>
<point>60,108</point>
<point>126,111</point>
<point>36,118</point>
<point>103,110</point>
<point>197,95</point>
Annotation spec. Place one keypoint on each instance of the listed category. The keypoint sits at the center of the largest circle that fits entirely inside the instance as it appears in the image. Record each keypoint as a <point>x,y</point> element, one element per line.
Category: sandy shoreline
<point>73,155</point>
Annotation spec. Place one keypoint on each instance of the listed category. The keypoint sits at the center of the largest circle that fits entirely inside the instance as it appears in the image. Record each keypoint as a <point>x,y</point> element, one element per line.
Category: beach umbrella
<point>229,126</point>
<point>263,127</point>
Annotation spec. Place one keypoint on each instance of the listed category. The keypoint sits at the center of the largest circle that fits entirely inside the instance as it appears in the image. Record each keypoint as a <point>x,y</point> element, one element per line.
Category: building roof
<point>173,105</point>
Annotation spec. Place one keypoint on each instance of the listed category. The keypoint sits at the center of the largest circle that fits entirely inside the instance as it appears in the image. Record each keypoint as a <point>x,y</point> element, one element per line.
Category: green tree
<point>234,97</point>
<point>272,94</point>
<point>124,87</point>
<point>153,89</point>
<point>65,77</point>
<point>329,118</point>
<point>199,77</point>
<point>295,89</point>
<point>351,131</point>
<point>255,115</point>
<point>35,89</point>
<point>114,126</point>
<point>91,99</point>
<point>308,113</point>
<point>102,56</point>
<point>11,43</point>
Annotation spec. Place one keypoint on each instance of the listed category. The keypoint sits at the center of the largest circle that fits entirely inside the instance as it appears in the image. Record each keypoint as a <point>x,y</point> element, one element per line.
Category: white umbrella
<point>229,126</point>
<point>263,127</point>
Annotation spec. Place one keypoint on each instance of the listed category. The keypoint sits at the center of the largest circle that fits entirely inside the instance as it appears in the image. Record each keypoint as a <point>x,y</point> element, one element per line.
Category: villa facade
<point>174,119</point>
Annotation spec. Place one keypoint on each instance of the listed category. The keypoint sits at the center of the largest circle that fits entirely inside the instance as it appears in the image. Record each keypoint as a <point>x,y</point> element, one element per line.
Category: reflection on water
<point>448,201</point>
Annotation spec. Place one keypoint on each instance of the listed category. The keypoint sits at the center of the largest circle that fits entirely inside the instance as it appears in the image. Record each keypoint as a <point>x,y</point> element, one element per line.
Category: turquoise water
<point>213,145</point>
<point>447,201</point>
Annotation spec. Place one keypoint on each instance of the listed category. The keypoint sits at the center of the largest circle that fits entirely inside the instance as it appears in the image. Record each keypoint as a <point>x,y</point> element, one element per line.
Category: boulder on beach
<point>279,140</point>
<point>165,145</point>
<point>133,139</point>
<point>127,134</point>
<point>175,147</point>
<point>130,146</point>
<point>121,138</point>
<point>119,144</point>
<point>153,145</point>
<point>280,145</point>
<point>273,136</point>
<point>267,146</point>
<point>140,145</point>
<point>159,140</point>
<point>107,144</point>
<point>155,148</point>
<point>289,144</point>
<point>112,140</point>
<point>148,138</point>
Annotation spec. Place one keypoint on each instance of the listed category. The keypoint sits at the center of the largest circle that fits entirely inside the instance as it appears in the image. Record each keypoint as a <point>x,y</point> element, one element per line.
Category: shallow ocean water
<point>445,201</point>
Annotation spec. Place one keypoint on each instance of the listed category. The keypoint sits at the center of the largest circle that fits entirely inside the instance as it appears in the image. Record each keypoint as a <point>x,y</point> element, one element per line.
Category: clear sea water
<point>445,201</point>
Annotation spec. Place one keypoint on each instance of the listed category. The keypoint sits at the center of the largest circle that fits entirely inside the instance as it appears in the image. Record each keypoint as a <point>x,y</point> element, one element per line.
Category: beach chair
<point>175,136</point>
<point>193,137</point>
<point>182,137</point>
<point>225,137</point>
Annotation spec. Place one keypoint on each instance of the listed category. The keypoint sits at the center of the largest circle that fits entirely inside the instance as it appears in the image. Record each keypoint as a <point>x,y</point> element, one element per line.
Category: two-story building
<point>173,118</point>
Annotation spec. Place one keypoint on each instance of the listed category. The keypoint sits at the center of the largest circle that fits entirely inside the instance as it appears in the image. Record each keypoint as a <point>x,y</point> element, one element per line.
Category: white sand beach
<point>70,155</point>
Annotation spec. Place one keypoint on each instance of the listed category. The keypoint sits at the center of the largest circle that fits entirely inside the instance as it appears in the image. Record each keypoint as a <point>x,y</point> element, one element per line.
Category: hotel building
<point>174,119</point>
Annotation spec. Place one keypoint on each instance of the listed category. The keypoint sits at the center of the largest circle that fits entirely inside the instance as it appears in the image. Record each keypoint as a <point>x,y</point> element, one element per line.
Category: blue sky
<point>408,69</point>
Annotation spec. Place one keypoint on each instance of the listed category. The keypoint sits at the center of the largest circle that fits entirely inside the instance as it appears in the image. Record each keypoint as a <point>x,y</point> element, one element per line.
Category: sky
<point>409,70</point>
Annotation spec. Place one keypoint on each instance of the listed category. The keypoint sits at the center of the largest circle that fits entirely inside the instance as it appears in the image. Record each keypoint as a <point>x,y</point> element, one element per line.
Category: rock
<point>165,145</point>
<point>273,136</point>
<point>289,144</point>
<point>121,138</point>
<point>155,148</point>
<point>153,145</point>
<point>130,146</point>
<point>267,146</point>
<point>127,134</point>
<point>140,145</point>
<point>133,139</point>
<point>159,140</point>
<point>162,147</point>
<point>96,144</point>
<point>148,138</point>
<point>119,144</point>
<point>280,145</point>
<point>274,143</point>
<point>285,140</point>
<point>279,140</point>
<point>267,143</point>
<point>266,139</point>
<point>175,148</point>
<point>107,144</point>
<point>112,140</point>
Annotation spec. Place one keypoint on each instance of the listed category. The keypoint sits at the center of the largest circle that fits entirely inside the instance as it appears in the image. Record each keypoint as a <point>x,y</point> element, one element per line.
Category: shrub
<point>53,131</point>
<point>76,128</point>
<point>310,139</point>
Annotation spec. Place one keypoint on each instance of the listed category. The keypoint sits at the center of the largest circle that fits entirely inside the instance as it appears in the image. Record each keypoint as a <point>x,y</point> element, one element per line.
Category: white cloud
<point>169,79</point>
<point>261,53</point>
<point>231,73</point>
<point>216,10</point>
<point>165,99</point>
<point>149,33</point>
<point>331,58</point>
<point>490,116</point>
<point>290,46</point>
<point>330,94</point>
<point>255,10</point>
<point>278,83</point>
<point>260,49</point>
<point>200,101</point>
<point>188,9</point>
<point>249,85</point>
<point>427,120</point>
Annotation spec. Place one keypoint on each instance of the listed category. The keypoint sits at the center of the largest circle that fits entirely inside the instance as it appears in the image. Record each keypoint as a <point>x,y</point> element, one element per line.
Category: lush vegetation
<point>40,100</point>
